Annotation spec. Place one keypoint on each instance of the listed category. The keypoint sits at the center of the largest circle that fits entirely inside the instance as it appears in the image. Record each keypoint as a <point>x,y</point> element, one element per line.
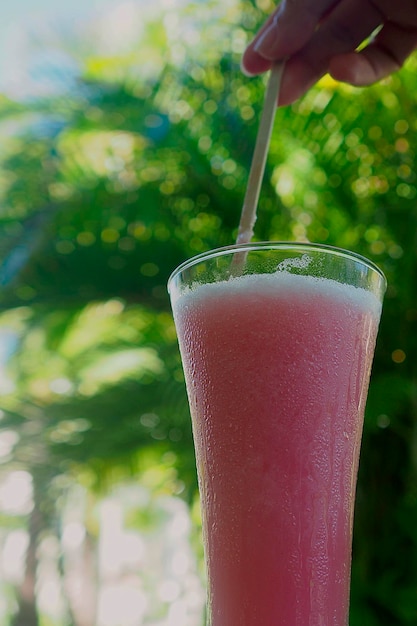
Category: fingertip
<point>295,82</point>
<point>296,78</point>
<point>253,64</point>
<point>245,71</point>
<point>353,69</point>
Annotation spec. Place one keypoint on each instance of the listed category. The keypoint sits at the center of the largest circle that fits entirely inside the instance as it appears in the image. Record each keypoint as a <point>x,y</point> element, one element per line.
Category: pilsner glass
<point>277,342</point>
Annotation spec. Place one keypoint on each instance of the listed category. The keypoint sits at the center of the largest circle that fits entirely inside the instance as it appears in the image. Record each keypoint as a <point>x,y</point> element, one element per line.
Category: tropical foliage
<point>113,176</point>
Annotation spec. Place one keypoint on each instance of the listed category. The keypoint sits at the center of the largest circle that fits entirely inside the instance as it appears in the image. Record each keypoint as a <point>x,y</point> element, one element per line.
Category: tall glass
<point>277,342</point>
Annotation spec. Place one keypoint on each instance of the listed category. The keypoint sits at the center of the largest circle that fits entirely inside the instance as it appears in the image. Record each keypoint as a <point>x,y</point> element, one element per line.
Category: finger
<point>339,34</point>
<point>290,27</point>
<point>285,32</point>
<point>342,32</point>
<point>383,56</point>
<point>252,63</point>
<point>401,12</point>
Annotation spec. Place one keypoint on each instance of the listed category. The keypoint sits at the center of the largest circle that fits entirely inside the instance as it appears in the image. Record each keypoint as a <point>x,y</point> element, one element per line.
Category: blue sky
<point>42,41</point>
<point>16,16</point>
<point>14,12</point>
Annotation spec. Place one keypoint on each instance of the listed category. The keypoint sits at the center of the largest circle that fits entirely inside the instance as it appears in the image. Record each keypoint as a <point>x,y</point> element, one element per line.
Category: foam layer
<point>278,284</point>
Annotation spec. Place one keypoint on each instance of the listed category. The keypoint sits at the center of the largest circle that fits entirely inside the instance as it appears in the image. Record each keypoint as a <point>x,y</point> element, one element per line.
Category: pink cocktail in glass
<point>277,357</point>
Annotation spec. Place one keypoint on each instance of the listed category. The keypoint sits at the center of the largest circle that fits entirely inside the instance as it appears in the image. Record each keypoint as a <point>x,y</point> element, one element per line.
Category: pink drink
<point>277,369</point>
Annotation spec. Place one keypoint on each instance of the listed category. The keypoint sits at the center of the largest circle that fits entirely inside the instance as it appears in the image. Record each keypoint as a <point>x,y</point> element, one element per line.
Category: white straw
<point>248,215</point>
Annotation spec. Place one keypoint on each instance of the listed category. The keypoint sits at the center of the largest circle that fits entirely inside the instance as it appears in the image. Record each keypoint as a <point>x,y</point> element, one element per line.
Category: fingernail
<point>266,41</point>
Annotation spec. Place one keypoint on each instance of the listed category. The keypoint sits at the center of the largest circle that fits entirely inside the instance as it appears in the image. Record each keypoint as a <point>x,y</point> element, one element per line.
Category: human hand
<point>320,36</point>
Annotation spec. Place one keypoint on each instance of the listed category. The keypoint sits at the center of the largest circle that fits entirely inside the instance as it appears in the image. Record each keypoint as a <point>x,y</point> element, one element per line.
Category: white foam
<point>281,282</point>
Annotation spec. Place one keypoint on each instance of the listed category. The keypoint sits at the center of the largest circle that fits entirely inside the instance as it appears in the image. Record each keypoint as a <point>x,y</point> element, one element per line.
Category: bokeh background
<point>127,131</point>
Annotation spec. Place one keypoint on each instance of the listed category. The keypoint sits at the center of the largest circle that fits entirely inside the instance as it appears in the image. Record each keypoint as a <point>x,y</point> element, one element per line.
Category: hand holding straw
<point>248,215</point>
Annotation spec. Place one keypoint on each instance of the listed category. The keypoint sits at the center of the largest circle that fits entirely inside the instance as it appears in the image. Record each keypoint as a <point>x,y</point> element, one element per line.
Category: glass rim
<point>274,245</point>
